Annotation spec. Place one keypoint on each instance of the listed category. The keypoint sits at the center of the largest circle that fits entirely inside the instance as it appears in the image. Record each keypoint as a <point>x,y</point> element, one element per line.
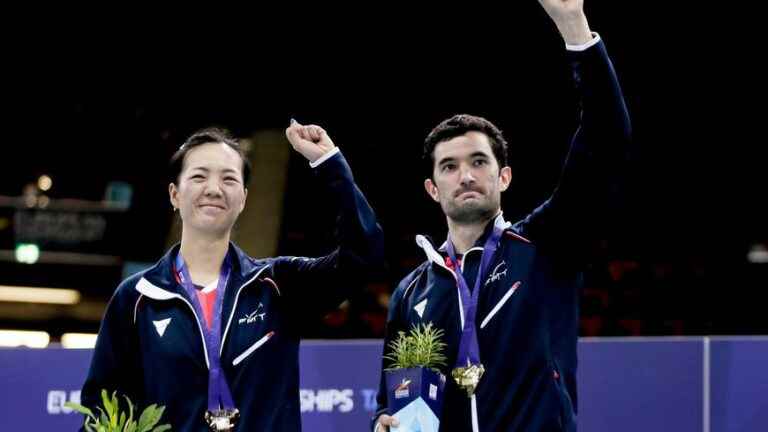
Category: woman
<point>210,332</point>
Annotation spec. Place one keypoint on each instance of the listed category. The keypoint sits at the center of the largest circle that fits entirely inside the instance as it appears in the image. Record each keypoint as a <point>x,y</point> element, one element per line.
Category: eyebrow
<point>473,155</point>
<point>204,169</point>
<point>479,154</point>
<point>445,160</point>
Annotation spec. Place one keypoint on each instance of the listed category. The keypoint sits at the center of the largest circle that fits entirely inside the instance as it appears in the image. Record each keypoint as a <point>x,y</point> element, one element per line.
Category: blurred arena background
<point>94,102</point>
<point>84,203</point>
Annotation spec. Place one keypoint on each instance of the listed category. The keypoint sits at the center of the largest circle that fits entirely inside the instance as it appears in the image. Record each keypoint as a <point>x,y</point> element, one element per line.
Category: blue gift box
<point>415,398</point>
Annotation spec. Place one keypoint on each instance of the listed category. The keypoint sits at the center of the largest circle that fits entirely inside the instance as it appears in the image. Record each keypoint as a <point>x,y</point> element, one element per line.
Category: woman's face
<point>210,194</point>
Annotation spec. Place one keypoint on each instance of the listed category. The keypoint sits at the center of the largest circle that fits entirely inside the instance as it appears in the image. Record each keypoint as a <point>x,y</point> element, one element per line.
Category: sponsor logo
<point>419,308</point>
<point>497,273</point>
<point>402,390</point>
<point>161,325</point>
<point>253,316</point>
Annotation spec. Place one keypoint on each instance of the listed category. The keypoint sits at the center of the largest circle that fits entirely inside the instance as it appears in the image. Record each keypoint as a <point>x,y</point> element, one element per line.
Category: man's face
<point>467,178</point>
<point>210,193</point>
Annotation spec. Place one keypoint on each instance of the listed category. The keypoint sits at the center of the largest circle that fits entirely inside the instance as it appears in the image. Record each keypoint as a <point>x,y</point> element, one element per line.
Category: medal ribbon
<point>469,352</point>
<point>219,395</point>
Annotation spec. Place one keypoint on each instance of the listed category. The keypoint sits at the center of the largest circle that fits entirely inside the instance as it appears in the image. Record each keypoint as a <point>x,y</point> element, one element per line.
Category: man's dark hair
<point>207,136</point>
<point>459,125</point>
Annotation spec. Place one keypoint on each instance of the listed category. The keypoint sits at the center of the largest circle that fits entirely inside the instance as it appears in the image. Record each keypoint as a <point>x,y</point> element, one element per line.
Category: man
<point>507,295</point>
<point>211,333</point>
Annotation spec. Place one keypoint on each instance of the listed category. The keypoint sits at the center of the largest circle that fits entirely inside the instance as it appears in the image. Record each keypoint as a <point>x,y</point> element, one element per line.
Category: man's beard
<point>471,212</point>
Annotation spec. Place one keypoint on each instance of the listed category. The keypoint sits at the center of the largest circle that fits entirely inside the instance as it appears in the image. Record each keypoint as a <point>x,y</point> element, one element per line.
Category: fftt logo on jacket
<point>253,316</point>
<point>497,273</point>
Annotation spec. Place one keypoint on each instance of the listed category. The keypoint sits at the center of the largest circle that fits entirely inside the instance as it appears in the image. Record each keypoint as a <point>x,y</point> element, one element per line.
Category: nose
<point>467,177</point>
<point>212,188</point>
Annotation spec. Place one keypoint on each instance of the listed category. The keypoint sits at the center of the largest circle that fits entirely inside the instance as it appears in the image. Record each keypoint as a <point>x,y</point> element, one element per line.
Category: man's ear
<point>505,178</point>
<point>431,189</point>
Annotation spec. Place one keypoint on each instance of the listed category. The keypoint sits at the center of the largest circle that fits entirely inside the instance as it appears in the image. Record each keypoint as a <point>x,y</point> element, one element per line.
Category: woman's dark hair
<point>207,136</point>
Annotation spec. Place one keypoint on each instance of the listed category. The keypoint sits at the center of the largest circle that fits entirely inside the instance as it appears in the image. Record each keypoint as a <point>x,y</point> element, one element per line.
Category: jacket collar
<point>436,256</point>
<point>159,282</point>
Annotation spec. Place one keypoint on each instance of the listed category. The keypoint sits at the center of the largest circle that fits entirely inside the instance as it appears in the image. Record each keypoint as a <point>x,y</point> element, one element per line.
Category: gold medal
<point>468,377</point>
<point>222,420</point>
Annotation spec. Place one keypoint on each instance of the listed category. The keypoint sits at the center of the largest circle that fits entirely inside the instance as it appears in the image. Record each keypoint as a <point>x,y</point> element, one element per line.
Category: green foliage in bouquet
<point>111,419</point>
<point>422,347</point>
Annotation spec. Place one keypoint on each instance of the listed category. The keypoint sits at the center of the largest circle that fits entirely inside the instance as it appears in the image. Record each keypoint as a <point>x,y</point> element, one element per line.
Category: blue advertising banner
<point>739,383</point>
<point>639,384</point>
<point>339,381</point>
<point>650,384</point>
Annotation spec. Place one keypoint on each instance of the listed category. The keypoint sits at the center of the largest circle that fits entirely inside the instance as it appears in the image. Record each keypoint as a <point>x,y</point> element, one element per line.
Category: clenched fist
<point>311,141</point>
